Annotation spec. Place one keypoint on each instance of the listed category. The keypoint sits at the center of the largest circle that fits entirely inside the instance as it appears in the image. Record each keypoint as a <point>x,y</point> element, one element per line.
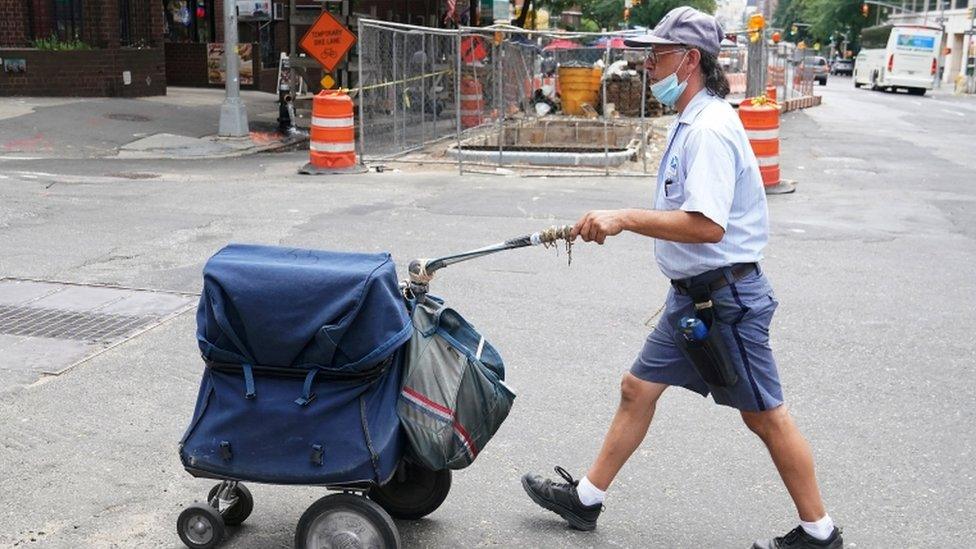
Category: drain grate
<point>56,323</point>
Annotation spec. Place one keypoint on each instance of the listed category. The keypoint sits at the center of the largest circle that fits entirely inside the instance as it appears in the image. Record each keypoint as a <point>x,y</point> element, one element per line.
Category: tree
<point>649,12</point>
<point>822,20</point>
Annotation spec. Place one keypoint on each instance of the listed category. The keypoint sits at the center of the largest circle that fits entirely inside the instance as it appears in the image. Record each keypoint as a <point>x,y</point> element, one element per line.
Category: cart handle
<point>422,270</point>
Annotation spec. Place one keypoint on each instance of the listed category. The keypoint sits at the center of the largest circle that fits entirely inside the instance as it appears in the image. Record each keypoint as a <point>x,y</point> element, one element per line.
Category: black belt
<point>715,278</point>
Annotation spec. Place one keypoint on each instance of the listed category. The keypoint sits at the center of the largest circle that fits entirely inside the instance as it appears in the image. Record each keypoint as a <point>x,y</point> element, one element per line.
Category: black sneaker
<point>798,538</point>
<point>562,499</point>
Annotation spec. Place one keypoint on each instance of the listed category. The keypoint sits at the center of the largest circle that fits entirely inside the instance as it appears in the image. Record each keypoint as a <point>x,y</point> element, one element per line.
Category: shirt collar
<point>694,107</point>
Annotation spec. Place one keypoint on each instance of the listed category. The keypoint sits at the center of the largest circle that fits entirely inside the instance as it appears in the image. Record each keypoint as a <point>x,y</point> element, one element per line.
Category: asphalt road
<point>872,260</point>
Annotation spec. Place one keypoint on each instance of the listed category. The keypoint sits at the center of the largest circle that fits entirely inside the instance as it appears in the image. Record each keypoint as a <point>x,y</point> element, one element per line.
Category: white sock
<point>589,494</point>
<point>820,529</point>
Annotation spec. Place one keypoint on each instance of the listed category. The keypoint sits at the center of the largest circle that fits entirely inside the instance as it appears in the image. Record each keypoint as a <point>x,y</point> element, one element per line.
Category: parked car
<point>819,67</point>
<point>842,66</point>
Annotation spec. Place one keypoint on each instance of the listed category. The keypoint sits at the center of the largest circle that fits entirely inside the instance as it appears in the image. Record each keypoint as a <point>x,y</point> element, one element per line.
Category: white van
<point>898,56</point>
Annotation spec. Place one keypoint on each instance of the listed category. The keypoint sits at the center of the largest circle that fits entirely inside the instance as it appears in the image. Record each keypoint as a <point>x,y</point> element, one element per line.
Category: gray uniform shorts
<point>743,310</point>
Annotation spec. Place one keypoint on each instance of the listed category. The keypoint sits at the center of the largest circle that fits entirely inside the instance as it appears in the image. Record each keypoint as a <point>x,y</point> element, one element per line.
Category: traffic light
<point>794,30</point>
<point>969,13</point>
<point>864,10</point>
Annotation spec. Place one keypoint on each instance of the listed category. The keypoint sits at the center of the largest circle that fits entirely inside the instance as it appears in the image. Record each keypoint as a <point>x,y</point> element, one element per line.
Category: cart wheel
<point>200,526</point>
<point>414,491</point>
<point>239,512</point>
<point>346,521</point>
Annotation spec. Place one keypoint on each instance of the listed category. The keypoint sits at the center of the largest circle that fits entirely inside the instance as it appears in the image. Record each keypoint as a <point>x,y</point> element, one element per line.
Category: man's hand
<point>597,225</point>
<point>673,225</point>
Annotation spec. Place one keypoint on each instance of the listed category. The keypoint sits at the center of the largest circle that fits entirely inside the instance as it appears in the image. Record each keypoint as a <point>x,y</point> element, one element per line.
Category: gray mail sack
<point>453,397</point>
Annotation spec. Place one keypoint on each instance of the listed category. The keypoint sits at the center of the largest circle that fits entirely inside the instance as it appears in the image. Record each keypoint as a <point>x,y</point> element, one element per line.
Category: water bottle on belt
<point>693,328</point>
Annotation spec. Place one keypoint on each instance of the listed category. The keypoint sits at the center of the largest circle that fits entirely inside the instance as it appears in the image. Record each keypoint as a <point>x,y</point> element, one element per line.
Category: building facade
<point>82,48</point>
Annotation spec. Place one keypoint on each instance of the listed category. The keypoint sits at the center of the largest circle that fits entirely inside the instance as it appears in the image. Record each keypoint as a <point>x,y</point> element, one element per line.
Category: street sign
<point>328,82</point>
<point>328,41</point>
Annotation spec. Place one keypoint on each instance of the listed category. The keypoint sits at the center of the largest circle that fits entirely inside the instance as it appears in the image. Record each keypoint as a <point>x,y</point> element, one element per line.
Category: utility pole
<point>233,114</point>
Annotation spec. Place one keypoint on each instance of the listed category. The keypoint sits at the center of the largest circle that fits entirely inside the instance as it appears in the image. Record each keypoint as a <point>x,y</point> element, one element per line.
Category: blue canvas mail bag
<point>303,367</point>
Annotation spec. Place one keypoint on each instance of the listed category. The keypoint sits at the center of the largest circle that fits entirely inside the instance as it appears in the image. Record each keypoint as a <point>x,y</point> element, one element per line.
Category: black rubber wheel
<point>346,521</point>
<point>241,510</point>
<point>414,491</point>
<point>916,91</point>
<point>200,526</point>
<point>857,84</point>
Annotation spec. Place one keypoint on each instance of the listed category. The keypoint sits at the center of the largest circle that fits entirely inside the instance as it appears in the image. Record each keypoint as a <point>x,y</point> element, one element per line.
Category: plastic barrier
<point>332,143</point>
<point>579,85</point>
<point>472,102</point>
<point>761,121</point>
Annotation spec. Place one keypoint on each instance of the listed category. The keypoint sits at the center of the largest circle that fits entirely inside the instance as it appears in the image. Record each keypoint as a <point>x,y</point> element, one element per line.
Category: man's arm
<point>673,225</point>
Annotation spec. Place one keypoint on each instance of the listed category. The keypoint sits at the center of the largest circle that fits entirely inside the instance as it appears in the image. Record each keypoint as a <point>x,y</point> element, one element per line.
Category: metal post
<point>362,95</point>
<point>756,73</point>
<point>457,97</point>
<point>644,118</point>
<point>499,105</point>
<point>396,97</point>
<point>406,72</point>
<point>606,133</point>
<point>423,90</point>
<point>233,113</point>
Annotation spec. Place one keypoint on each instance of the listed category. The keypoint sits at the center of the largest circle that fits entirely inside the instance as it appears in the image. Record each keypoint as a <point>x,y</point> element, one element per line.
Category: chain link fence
<point>503,97</point>
<point>790,71</point>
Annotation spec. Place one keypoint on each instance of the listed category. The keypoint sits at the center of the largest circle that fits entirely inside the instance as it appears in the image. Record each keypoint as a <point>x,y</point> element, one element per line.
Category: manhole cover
<point>128,117</point>
<point>133,175</point>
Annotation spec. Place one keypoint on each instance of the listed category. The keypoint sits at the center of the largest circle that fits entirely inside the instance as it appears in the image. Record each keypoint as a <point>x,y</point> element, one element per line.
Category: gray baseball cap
<point>684,25</point>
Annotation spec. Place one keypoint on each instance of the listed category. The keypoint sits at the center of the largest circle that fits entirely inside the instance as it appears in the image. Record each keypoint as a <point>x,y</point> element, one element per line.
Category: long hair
<point>715,81</point>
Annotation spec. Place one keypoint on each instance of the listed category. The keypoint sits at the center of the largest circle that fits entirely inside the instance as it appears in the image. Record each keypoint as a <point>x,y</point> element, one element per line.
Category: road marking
<point>957,113</point>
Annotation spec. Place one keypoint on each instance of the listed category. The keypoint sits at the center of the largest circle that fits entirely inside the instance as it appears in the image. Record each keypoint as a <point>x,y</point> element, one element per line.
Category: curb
<point>164,154</point>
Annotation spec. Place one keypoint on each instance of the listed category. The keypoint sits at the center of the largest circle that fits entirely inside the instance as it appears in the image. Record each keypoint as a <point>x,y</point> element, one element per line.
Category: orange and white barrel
<point>761,121</point>
<point>771,93</point>
<point>472,102</point>
<point>332,143</point>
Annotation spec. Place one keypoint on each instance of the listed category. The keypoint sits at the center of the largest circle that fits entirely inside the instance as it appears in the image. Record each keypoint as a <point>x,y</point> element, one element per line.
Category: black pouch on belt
<point>710,356</point>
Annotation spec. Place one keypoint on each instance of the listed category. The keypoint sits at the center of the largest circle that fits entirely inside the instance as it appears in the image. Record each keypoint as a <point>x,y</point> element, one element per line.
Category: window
<point>189,20</point>
<point>125,27</point>
<point>67,19</point>
<point>962,4</point>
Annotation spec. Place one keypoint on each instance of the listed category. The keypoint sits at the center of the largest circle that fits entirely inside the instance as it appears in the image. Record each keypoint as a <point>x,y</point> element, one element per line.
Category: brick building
<point>129,48</point>
<point>122,39</point>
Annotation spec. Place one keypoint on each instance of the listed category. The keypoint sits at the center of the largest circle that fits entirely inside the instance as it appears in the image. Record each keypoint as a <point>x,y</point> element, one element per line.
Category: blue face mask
<point>668,89</point>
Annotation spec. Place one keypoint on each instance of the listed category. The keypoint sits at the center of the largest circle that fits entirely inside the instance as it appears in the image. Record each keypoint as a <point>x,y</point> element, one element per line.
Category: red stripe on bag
<point>426,402</point>
<point>468,443</point>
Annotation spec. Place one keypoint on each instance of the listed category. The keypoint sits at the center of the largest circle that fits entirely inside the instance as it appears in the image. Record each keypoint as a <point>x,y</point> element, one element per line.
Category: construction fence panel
<point>406,93</point>
<point>503,97</point>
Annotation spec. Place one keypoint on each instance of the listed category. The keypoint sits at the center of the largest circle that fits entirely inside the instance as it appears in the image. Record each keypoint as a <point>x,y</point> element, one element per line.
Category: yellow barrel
<point>578,85</point>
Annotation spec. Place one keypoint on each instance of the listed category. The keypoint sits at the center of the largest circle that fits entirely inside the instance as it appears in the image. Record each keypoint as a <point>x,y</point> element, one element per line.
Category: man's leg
<point>580,502</point>
<point>638,400</point>
<point>792,456</point>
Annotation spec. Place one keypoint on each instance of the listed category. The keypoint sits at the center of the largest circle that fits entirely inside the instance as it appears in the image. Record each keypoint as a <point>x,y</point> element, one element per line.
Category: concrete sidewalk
<point>181,124</point>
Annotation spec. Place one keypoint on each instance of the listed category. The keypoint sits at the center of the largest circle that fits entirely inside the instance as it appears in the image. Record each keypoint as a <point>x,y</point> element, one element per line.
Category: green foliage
<point>649,12</point>
<point>53,43</point>
<point>823,20</point>
<point>589,25</point>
